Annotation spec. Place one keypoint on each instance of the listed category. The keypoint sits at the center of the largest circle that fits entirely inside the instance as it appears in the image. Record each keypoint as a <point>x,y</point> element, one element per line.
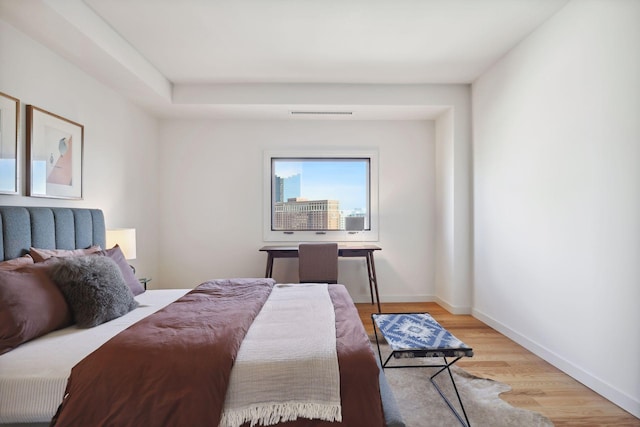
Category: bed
<point>124,365</point>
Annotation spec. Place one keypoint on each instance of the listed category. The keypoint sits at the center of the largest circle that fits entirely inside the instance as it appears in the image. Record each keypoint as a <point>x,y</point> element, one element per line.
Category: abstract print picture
<point>60,159</point>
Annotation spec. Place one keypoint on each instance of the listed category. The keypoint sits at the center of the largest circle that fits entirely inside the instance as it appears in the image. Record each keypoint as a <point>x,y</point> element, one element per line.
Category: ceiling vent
<point>322,113</point>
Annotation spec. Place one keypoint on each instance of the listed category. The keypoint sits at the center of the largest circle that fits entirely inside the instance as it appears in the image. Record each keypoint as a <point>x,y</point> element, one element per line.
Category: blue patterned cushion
<point>417,331</point>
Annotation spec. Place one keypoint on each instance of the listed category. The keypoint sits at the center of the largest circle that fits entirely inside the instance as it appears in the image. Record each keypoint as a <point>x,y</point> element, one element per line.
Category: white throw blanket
<point>287,365</point>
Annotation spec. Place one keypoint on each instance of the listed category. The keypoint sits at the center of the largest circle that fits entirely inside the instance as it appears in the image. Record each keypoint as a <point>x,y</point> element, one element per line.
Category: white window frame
<point>370,235</point>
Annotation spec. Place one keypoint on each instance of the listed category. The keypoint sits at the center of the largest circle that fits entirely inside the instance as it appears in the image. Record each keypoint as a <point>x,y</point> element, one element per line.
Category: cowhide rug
<point>422,406</point>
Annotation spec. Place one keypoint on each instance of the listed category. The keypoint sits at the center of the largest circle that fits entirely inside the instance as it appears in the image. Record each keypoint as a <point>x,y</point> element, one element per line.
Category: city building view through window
<point>320,194</point>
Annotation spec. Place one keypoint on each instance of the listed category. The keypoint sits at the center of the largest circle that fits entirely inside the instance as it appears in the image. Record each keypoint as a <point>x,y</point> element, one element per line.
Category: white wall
<point>212,200</point>
<point>557,195</point>
<point>445,229</point>
<point>120,158</point>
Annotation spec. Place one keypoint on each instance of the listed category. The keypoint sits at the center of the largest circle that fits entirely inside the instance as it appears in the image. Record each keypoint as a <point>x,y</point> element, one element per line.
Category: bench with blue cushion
<point>412,335</point>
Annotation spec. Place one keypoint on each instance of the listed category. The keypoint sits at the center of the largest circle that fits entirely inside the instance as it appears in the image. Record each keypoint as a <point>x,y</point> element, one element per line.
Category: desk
<point>355,251</point>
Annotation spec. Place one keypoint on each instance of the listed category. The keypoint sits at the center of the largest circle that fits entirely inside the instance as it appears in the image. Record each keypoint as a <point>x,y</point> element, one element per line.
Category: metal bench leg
<point>382,364</point>
<point>455,388</point>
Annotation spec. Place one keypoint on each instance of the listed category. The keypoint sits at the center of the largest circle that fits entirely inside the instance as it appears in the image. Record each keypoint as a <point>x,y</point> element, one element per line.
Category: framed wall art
<point>9,123</point>
<point>54,155</point>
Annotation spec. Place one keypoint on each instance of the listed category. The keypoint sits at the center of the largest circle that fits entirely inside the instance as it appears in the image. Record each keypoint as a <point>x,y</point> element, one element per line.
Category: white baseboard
<point>623,400</point>
<point>453,309</point>
<point>363,298</point>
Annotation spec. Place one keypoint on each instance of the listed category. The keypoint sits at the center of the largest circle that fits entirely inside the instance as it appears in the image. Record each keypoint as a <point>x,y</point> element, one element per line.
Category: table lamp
<point>126,239</point>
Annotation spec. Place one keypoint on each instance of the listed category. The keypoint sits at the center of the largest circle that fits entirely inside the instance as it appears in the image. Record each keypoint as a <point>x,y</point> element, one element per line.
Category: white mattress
<point>33,377</point>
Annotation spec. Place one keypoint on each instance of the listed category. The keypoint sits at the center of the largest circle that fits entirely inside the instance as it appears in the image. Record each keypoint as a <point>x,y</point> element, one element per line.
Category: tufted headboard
<point>48,228</point>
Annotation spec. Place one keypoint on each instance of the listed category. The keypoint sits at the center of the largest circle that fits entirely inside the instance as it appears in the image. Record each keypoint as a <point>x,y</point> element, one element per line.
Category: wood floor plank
<point>536,385</point>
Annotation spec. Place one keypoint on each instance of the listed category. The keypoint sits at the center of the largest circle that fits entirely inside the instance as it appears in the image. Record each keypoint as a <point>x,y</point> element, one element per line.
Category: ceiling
<point>257,58</point>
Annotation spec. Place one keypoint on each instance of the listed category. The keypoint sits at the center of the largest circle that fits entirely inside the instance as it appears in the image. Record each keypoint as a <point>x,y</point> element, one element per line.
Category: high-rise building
<point>302,214</point>
<point>287,188</point>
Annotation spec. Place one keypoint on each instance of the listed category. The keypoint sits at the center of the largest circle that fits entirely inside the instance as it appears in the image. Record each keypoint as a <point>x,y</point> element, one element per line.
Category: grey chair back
<point>318,262</point>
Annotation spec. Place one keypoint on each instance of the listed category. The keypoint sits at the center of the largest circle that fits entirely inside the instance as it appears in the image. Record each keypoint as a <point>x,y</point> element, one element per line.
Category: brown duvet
<point>172,368</point>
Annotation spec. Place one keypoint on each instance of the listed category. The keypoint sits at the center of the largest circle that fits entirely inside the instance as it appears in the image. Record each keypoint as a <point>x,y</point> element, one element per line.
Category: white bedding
<point>33,377</point>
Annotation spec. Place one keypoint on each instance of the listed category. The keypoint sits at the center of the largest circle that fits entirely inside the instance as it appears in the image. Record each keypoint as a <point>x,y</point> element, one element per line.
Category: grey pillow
<point>94,289</point>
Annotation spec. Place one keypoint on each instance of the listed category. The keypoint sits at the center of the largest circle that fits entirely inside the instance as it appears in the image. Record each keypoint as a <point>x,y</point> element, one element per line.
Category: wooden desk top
<point>341,247</point>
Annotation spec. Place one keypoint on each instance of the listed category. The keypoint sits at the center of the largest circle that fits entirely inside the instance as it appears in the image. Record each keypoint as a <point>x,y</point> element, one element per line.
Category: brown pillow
<point>40,255</point>
<point>16,263</point>
<point>31,305</point>
<point>116,255</point>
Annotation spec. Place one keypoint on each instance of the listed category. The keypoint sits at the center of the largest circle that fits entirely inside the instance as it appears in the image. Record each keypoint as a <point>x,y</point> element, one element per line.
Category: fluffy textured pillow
<point>94,289</point>
<point>116,255</point>
<point>31,305</point>
<point>16,263</point>
<point>40,255</point>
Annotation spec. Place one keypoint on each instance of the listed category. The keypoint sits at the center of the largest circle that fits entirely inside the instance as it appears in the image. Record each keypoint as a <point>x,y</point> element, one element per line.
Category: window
<point>321,196</point>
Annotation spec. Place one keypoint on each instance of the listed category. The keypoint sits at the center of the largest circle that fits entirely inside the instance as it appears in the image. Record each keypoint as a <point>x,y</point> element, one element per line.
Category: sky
<point>7,174</point>
<point>335,179</point>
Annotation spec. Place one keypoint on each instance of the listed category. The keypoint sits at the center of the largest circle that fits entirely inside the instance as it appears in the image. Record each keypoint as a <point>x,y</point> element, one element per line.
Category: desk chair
<point>318,262</point>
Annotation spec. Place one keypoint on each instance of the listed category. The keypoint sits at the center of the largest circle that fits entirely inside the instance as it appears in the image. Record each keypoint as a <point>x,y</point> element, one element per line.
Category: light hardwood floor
<point>536,385</point>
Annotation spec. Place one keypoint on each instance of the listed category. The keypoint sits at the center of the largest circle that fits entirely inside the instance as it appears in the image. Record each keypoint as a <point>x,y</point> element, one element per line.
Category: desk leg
<point>369,276</point>
<point>373,280</point>
<point>269,272</point>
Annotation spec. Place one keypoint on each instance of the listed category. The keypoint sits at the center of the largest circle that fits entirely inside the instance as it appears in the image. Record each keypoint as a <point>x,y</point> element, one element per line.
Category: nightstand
<point>144,281</point>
